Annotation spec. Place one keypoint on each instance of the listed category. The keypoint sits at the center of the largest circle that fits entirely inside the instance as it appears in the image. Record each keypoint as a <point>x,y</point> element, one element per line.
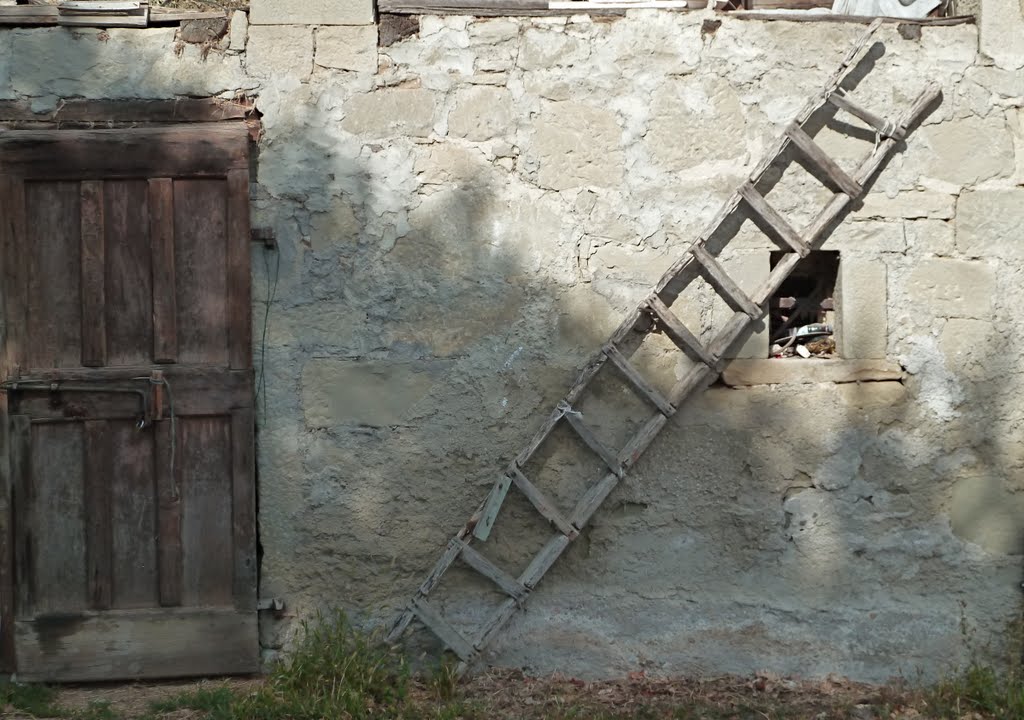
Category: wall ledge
<point>797,371</point>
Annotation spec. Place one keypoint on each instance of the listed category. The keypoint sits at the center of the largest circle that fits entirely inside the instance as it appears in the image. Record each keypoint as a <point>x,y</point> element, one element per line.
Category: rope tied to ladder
<point>566,409</point>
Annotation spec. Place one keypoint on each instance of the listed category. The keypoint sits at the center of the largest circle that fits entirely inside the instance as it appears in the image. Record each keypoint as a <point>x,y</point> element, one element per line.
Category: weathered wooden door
<point>128,544</point>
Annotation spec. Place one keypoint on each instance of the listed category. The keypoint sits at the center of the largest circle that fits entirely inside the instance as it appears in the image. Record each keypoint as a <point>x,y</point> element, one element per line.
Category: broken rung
<point>646,390</point>
<point>512,587</point>
<point>544,506</point>
<point>444,630</point>
<point>724,283</point>
<point>770,215</point>
<point>813,152</point>
<point>590,440</point>
<point>677,332</point>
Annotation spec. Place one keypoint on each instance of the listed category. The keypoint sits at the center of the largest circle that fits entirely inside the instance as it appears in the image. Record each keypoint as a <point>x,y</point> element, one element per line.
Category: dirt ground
<point>512,695</point>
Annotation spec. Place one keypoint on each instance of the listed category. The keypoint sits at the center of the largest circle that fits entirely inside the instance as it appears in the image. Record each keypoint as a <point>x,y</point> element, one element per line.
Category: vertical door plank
<point>169,493</point>
<point>129,293</point>
<point>57,519</point>
<point>244,508</point>
<point>239,276</point>
<point>20,458</point>
<point>98,469</point>
<point>133,517</point>
<point>94,326</point>
<point>206,523</point>
<point>200,256</point>
<point>6,545</point>
<point>161,236</point>
<point>14,279</point>
<point>53,248</point>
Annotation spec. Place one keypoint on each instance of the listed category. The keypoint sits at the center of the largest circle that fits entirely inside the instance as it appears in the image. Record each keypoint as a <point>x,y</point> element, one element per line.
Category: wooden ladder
<point>654,315</point>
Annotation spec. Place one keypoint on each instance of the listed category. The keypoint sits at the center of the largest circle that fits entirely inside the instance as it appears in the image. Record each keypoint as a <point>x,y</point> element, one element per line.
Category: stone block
<point>867,237</point>
<point>446,162</point>
<point>311,12</point>
<point>797,371</point>
<point>861,313</point>
<point>481,113</point>
<point>714,129</point>
<point>971,348</point>
<point>239,33</point>
<point>121,62</point>
<point>347,48</point>
<point>964,152</point>
<point>577,145</point>
<point>1001,33</point>
<point>944,287</point>
<point>543,49</point>
<point>983,512</point>
<point>280,52</point>
<point>391,112</point>
<point>988,223</point>
<point>749,269</point>
<point>929,237</point>
<point>357,392</point>
<point>911,205</point>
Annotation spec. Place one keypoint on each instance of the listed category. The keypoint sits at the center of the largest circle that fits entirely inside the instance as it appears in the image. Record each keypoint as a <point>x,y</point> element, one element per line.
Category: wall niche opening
<point>802,314</point>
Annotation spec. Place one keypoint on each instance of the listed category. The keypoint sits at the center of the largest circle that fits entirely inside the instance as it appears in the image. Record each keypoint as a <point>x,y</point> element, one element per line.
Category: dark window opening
<point>802,313</point>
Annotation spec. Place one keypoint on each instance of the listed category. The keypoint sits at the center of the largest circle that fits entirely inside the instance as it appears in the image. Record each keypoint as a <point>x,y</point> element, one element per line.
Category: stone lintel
<point>798,371</point>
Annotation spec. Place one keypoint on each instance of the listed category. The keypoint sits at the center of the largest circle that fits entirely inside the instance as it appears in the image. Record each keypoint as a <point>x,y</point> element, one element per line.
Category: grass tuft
<point>34,700</point>
<point>979,689</point>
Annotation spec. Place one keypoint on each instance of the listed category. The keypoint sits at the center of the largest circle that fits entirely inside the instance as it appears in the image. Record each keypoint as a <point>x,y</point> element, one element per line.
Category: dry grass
<point>510,695</point>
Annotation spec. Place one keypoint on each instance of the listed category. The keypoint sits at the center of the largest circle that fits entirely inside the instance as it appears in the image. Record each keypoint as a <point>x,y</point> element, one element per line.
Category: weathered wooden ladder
<point>654,314</point>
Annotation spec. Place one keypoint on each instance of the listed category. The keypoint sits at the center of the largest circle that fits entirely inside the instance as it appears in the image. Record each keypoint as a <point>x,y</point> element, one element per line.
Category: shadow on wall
<point>429,304</point>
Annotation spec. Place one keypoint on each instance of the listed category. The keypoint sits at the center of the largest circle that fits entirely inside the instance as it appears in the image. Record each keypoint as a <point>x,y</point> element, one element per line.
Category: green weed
<point>979,689</point>
<point>215,703</point>
<point>335,672</point>
<point>35,700</point>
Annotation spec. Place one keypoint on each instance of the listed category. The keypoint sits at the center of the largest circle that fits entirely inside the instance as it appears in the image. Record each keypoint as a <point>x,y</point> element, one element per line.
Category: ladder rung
<point>779,224</point>
<point>639,381</point>
<point>816,155</point>
<point>678,333</point>
<point>499,577</point>
<point>885,127</point>
<point>544,506</point>
<point>725,284</point>
<point>443,629</point>
<point>492,505</point>
<point>590,440</point>
<point>447,558</point>
<point>543,560</point>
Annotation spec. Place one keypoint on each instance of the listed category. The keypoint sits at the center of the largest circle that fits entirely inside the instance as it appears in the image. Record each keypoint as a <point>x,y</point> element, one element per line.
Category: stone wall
<point>462,217</point>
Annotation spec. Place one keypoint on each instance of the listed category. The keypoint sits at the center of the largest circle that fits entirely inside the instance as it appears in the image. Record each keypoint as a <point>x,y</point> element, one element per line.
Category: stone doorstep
<point>797,371</point>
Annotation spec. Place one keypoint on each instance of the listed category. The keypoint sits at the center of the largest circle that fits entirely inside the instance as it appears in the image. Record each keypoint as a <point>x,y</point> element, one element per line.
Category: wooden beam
<point>94,307</point>
<point>243,508</point>
<point>99,547</point>
<point>157,643</point>
<point>161,238</point>
<point>195,151</point>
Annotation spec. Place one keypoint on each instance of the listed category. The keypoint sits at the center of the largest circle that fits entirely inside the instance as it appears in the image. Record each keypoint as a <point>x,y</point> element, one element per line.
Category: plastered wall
<point>463,215</point>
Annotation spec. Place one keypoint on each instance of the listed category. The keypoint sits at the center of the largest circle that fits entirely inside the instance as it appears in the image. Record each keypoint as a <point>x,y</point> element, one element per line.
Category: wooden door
<point>128,547</point>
